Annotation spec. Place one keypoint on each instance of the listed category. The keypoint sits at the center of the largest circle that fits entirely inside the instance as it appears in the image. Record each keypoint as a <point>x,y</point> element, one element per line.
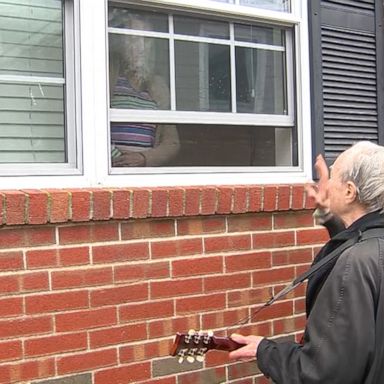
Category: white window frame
<point>72,118</point>
<point>93,156</point>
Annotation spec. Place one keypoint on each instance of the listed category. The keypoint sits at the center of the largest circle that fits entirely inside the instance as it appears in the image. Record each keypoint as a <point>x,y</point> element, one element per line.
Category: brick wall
<point>95,283</point>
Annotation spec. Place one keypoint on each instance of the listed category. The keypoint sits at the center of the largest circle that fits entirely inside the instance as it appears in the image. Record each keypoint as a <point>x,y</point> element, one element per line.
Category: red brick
<point>36,281</point>
<point>124,374</point>
<point>249,297</point>
<point>145,351</point>
<point>159,202</point>
<point>143,271</point>
<point>9,284</point>
<point>169,326</point>
<point>292,256</point>
<point>197,266</point>
<point>208,201</point>
<point>151,310</point>
<point>11,306</point>
<point>242,370</point>
<point>270,198</point>
<point>26,371</point>
<point>273,276</point>
<point>119,295</point>
<point>273,239</point>
<point>86,319</point>
<point>143,229</point>
<point>176,202</point>
<point>176,288</point>
<point>101,204</point>
<point>223,319</point>
<point>48,258</point>
<point>297,197</point>
<point>283,197</point>
<point>213,375</point>
<point>120,252</point>
<point>225,200</point>
<point>175,248</point>
<point>200,303</point>
<point>86,361</point>
<point>227,282</point>
<point>88,233</point>
<point>240,199</point>
<point>58,205</point>
<point>254,222</point>
<point>121,204</point>
<point>27,237</point>
<point>37,206</point>
<point>117,335</point>
<point>227,243</point>
<point>15,207</point>
<point>140,203</point>
<point>56,302</point>
<point>312,236</point>
<point>278,309</point>
<point>192,201</point>
<point>248,261</point>
<point>293,219</point>
<point>25,326</point>
<point>81,278</point>
<point>200,225</point>
<point>10,350</point>
<point>55,344</point>
<point>11,261</point>
<point>255,198</point>
<point>80,205</point>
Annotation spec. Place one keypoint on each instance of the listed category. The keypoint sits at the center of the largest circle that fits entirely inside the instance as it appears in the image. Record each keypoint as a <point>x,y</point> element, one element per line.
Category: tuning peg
<point>200,358</point>
<point>181,359</point>
<point>190,359</point>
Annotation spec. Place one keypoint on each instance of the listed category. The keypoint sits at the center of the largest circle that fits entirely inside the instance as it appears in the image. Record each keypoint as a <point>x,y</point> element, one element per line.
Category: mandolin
<point>194,345</point>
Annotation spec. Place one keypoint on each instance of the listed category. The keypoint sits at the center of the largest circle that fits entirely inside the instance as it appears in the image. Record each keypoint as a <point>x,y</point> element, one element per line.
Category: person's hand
<point>129,159</point>
<point>319,190</point>
<point>250,348</point>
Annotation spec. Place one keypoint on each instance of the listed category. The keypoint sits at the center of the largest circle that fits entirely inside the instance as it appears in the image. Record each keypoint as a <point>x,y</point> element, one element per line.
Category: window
<point>37,87</point>
<point>224,88</point>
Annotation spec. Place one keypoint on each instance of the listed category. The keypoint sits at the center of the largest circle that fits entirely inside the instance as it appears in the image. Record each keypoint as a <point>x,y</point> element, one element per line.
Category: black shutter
<point>346,73</point>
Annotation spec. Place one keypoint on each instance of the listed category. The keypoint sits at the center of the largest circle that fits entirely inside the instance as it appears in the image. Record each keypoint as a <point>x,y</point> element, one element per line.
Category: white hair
<point>364,165</point>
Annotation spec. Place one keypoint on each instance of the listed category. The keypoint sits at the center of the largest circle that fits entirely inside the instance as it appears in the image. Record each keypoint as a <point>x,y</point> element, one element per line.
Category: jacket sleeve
<point>340,332</point>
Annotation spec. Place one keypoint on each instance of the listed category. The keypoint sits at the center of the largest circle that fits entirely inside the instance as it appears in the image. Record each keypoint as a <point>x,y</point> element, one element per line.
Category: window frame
<point>91,88</point>
<point>72,106</point>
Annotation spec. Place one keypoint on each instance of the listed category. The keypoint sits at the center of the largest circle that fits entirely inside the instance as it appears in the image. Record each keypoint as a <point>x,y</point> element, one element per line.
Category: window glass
<point>220,87</point>
<point>200,27</point>
<point>273,5</point>
<point>203,81</point>
<point>32,82</point>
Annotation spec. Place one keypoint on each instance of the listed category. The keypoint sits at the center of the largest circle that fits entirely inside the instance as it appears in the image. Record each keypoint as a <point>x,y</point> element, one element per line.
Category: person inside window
<point>134,85</point>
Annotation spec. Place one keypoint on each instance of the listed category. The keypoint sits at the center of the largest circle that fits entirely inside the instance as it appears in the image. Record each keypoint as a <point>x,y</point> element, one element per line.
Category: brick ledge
<point>42,206</point>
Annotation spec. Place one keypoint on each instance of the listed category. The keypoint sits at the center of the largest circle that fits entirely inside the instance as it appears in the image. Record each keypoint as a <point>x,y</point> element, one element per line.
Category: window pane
<point>202,77</point>
<point>139,72</point>
<point>273,5</point>
<point>259,34</point>
<point>260,81</point>
<point>201,145</point>
<point>31,39</point>
<point>31,123</point>
<point>200,27</point>
<point>119,17</point>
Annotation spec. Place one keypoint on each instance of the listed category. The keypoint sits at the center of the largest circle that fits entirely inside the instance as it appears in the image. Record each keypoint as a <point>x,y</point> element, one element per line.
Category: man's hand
<point>319,191</point>
<point>249,350</point>
<point>129,159</point>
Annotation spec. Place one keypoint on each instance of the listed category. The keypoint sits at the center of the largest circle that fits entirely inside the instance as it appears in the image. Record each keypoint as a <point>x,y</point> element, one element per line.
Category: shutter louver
<point>361,5</point>
<point>349,89</point>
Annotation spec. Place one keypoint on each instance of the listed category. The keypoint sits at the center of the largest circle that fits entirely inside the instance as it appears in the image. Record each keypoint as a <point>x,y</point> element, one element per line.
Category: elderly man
<point>343,340</point>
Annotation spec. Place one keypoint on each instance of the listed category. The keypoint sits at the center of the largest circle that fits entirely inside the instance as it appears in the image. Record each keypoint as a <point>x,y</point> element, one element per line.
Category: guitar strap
<point>367,234</point>
<point>370,232</point>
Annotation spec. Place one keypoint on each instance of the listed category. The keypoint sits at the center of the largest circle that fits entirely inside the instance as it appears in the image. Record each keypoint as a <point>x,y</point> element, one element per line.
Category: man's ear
<point>351,192</point>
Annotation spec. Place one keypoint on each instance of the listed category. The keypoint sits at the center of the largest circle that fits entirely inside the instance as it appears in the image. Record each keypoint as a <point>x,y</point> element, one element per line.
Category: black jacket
<point>344,338</point>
